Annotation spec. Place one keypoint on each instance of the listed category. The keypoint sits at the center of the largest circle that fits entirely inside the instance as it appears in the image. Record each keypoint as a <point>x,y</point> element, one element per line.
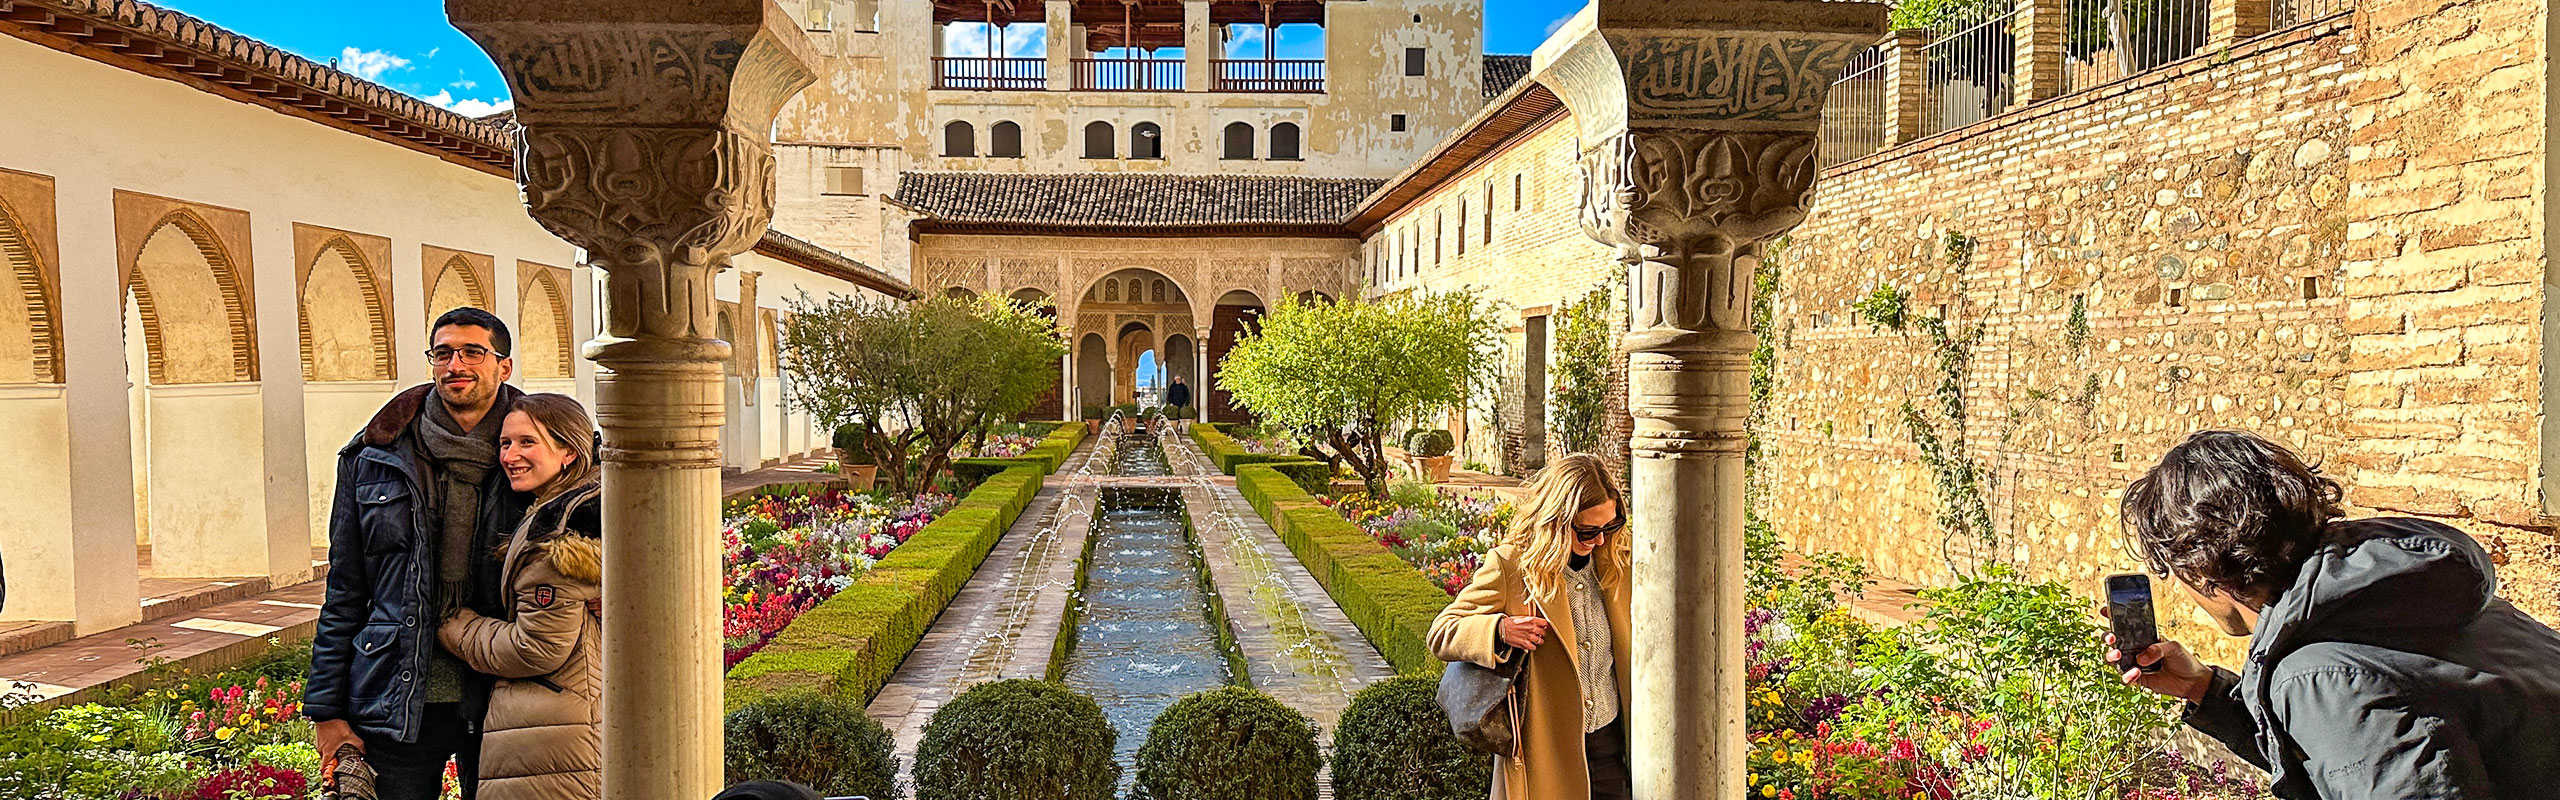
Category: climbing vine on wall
<point>1938,427</point>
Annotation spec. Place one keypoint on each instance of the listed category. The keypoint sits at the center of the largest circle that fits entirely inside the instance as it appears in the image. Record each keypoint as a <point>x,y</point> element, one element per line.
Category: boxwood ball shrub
<point>1017,740</point>
<point>818,740</point>
<point>1430,443</point>
<point>1394,744</point>
<point>1229,743</point>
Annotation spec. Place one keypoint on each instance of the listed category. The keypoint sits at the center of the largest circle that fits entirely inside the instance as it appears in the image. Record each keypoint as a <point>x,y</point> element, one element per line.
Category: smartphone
<point>2129,610</point>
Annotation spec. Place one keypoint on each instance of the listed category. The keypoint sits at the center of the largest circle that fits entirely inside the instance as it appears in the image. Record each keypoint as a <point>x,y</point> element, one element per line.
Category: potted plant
<point>853,460</point>
<point>1093,418</point>
<point>1430,450</point>
<point>1128,417</point>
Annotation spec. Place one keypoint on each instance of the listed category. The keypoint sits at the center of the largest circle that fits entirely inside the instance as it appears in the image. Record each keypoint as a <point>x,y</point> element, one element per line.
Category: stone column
<point>643,142</point>
<point>2229,22</point>
<point>1200,373</point>
<point>1061,20</point>
<point>1687,177</point>
<point>1199,47</point>
<point>2038,68</point>
<point>1070,407</point>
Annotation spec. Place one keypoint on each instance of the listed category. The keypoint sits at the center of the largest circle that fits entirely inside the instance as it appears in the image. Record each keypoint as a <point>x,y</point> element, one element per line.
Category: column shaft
<point>661,501</point>
<point>98,537</point>
<point>1199,47</point>
<point>1200,374</point>
<point>1062,43</point>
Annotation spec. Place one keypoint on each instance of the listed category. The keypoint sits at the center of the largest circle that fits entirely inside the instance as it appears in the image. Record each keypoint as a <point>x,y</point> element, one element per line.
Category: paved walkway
<point>201,640</point>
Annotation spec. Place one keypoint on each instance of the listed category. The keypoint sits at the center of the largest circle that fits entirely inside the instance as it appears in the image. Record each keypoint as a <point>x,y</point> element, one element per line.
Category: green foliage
<point>1229,743</point>
<point>1964,512</point>
<point>852,642</point>
<point>1957,249</point>
<point>815,740</point>
<point>1385,597</point>
<point>2019,654</point>
<point>1764,362</point>
<point>1884,307</point>
<point>2075,328</point>
<point>1393,743</point>
<point>1917,14</point>
<point>1583,357</point>
<point>849,445</point>
<point>1352,371</point>
<point>1017,740</point>
<point>1049,455</point>
<point>1430,444</point>
<point>917,378</point>
<point>1311,475</point>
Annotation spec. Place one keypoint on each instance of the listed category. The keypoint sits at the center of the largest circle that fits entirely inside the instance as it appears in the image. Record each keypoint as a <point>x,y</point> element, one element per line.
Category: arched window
<point>1158,294</point>
<point>1005,140</point>
<point>1284,142</point>
<point>1097,140</point>
<point>1111,290</point>
<point>1146,141</point>
<point>959,139</point>
<point>1239,142</point>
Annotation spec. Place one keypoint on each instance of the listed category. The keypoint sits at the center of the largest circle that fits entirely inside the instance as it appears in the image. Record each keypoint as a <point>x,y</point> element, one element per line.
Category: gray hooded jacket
<point>2391,670</point>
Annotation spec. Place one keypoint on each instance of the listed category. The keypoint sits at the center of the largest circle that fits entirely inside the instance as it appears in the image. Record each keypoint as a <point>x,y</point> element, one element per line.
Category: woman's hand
<point>2180,674</point>
<point>1525,633</point>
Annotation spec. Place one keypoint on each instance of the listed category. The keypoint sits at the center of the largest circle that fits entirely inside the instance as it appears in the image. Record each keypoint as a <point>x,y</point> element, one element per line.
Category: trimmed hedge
<point>1310,474</point>
<point>1385,597</point>
<point>1223,451</point>
<point>1394,744</point>
<point>1050,455</point>
<point>1228,743</point>
<point>851,643</point>
<point>820,741</point>
<point>1017,740</point>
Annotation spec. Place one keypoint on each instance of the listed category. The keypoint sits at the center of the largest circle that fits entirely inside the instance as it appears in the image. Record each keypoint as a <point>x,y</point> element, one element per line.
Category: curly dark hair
<point>2231,511</point>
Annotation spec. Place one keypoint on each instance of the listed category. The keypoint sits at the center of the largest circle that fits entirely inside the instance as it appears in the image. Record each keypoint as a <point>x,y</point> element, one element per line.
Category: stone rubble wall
<point>2325,235</point>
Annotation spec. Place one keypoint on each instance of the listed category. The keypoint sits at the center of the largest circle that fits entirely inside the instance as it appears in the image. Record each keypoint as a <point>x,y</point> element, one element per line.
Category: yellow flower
<point>244,718</point>
<point>1781,757</point>
<point>225,734</point>
<point>1773,697</point>
<point>1769,791</point>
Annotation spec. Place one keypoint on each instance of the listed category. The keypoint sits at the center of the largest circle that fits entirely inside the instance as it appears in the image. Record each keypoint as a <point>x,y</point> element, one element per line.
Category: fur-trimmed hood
<point>576,557</point>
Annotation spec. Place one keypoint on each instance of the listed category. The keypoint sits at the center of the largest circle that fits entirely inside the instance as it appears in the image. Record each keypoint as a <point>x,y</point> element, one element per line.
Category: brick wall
<point>2325,235</point>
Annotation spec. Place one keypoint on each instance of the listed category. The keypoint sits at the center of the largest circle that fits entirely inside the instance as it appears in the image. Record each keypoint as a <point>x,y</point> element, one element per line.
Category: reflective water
<point>1144,639</point>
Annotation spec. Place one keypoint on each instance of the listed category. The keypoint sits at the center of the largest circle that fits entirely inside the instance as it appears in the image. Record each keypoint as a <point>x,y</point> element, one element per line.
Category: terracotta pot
<point>858,477</point>
<point>1436,468</point>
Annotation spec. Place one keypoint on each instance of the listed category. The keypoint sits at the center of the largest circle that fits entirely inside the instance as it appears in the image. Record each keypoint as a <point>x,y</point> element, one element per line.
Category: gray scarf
<point>458,464</point>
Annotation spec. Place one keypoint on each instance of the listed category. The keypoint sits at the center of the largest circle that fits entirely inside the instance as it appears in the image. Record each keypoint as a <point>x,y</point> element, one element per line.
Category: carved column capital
<point>1683,205</point>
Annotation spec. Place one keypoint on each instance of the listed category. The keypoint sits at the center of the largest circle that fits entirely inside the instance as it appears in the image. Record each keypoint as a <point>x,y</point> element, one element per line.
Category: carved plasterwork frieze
<point>1035,273</point>
<point>1328,275</point>
<point>1683,205</point>
<point>659,209</point>
<point>1729,76</point>
<point>944,272</point>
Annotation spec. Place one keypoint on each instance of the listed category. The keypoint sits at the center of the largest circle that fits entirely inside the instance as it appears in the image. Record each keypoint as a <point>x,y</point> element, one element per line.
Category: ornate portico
<point>1698,125</point>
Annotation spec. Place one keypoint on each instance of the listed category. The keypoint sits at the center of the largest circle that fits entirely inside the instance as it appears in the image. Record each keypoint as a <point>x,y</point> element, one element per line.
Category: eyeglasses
<point>1585,534</point>
<point>472,355</point>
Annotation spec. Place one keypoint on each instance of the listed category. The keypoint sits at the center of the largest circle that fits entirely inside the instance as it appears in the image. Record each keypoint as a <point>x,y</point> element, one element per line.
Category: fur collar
<point>396,416</point>
<point>578,558</point>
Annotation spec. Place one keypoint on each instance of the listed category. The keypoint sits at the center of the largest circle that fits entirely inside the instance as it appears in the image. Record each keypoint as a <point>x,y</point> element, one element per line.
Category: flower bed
<point>238,735</point>
<point>785,554</point>
<point>1442,534</point>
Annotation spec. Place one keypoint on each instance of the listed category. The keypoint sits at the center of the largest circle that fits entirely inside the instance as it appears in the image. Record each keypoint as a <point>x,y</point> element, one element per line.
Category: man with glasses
<point>413,532</point>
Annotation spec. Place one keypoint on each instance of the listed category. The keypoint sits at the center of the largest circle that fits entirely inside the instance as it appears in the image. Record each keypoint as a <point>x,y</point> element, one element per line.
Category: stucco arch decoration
<point>456,285</point>
<point>346,330</point>
<point>187,290</point>
<point>30,342</point>
<point>544,334</point>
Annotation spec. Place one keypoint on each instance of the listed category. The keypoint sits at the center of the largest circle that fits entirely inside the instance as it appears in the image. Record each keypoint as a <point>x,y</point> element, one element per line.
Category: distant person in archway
<point>1177,394</point>
<point>543,736</point>
<point>421,506</point>
<point>2381,661</point>
<point>1555,593</point>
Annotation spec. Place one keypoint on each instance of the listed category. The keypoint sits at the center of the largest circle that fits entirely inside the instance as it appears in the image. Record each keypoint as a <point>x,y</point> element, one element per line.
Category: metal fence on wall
<point>1971,63</point>
<point>1857,112</point>
<point>2108,40</point>
<point>2289,13</point>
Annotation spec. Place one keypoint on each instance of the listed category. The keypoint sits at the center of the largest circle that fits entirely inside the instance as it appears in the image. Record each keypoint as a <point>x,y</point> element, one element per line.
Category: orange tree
<point>1350,373</point>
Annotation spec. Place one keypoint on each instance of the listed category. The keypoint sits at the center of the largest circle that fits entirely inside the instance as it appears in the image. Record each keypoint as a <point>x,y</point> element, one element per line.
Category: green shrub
<point>816,740</point>
<point>1430,443</point>
<point>1017,740</point>
<point>848,444</point>
<point>1229,743</point>
<point>1394,744</point>
<point>1316,477</point>
<point>1383,595</point>
<point>967,473</point>
<point>853,641</point>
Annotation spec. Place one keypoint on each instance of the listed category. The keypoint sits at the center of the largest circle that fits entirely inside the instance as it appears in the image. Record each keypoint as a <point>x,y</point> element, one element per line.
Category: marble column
<point>643,141</point>
<point>1200,374</point>
<point>1698,124</point>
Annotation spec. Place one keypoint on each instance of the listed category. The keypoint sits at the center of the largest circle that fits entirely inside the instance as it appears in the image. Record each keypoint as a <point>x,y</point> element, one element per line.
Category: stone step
<point>20,637</point>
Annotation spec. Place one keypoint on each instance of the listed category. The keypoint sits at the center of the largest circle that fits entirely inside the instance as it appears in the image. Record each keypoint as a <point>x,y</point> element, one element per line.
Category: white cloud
<point>468,107</point>
<point>466,83</point>
<point>369,64</point>
<point>969,40</point>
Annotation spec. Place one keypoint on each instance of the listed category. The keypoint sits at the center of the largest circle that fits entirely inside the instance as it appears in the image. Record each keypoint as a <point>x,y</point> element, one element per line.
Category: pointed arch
<point>33,293</point>
<point>172,293</point>
<point>457,283</point>
<point>337,276</point>
<point>545,334</point>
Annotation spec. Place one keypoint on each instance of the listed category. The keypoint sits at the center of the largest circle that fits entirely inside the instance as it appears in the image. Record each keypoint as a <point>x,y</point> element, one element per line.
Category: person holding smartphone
<point>2381,662</point>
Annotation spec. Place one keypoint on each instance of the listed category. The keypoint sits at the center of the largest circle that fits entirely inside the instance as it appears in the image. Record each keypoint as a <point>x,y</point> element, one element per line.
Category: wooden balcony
<point>982,73</point>
<point>1270,75</point>
<point>1128,74</point>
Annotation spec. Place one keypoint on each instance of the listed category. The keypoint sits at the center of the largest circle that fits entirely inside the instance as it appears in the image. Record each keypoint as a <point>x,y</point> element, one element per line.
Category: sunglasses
<point>1585,534</point>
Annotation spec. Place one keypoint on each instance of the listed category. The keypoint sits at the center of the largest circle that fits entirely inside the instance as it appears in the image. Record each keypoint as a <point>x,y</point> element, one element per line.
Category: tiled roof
<point>1500,72</point>
<point>812,257</point>
<point>1131,201</point>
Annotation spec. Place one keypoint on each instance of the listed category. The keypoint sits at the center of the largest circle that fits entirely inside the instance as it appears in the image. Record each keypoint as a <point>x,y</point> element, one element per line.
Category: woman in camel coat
<point>1555,592</point>
<point>543,737</point>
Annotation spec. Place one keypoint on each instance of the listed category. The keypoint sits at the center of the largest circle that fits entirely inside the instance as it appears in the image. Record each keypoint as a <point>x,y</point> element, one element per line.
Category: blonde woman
<point>1555,592</point>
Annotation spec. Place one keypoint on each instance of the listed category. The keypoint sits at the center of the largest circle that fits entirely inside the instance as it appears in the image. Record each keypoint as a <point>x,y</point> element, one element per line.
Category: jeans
<point>1606,749</point>
<point>415,770</point>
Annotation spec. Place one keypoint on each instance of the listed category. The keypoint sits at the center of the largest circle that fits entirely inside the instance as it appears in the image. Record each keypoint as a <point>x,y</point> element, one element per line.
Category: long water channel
<point>1147,629</point>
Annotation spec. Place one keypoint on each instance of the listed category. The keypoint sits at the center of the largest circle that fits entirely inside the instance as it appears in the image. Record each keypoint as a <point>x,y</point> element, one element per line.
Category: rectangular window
<point>822,15</point>
<point>1439,227</point>
<point>844,180</point>
<point>1412,62</point>
<point>1515,190</point>
<point>2310,287</point>
<point>1396,123</point>
<point>1488,211</point>
<point>1462,226</point>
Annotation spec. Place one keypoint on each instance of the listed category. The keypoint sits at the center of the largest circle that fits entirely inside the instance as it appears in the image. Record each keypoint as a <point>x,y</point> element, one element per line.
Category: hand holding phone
<point>2129,613</point>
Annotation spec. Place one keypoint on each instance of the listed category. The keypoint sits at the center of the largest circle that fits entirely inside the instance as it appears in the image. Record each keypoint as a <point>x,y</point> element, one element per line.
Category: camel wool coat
<point>543,738</point>
<point>1551,764</point>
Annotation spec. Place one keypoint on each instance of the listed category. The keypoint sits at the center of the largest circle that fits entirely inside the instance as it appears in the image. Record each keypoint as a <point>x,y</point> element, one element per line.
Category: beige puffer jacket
<point>543,737</point>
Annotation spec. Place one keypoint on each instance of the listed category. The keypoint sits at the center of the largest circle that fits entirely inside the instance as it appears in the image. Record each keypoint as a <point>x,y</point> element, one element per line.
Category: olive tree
<point>1352,372</point>
<point>918,378</point>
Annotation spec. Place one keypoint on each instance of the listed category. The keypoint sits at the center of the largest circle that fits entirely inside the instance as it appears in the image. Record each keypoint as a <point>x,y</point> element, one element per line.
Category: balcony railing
<point>990,74</point>
<point>1270,75</point>
<point>1128,74</point>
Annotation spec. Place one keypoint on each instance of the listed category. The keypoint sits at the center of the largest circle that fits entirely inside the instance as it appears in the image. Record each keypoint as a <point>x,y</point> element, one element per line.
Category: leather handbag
<point>1483,704</point>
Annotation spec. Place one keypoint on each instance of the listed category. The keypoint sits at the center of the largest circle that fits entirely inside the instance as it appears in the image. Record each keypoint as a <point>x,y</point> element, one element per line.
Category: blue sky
<point>407,45</point>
